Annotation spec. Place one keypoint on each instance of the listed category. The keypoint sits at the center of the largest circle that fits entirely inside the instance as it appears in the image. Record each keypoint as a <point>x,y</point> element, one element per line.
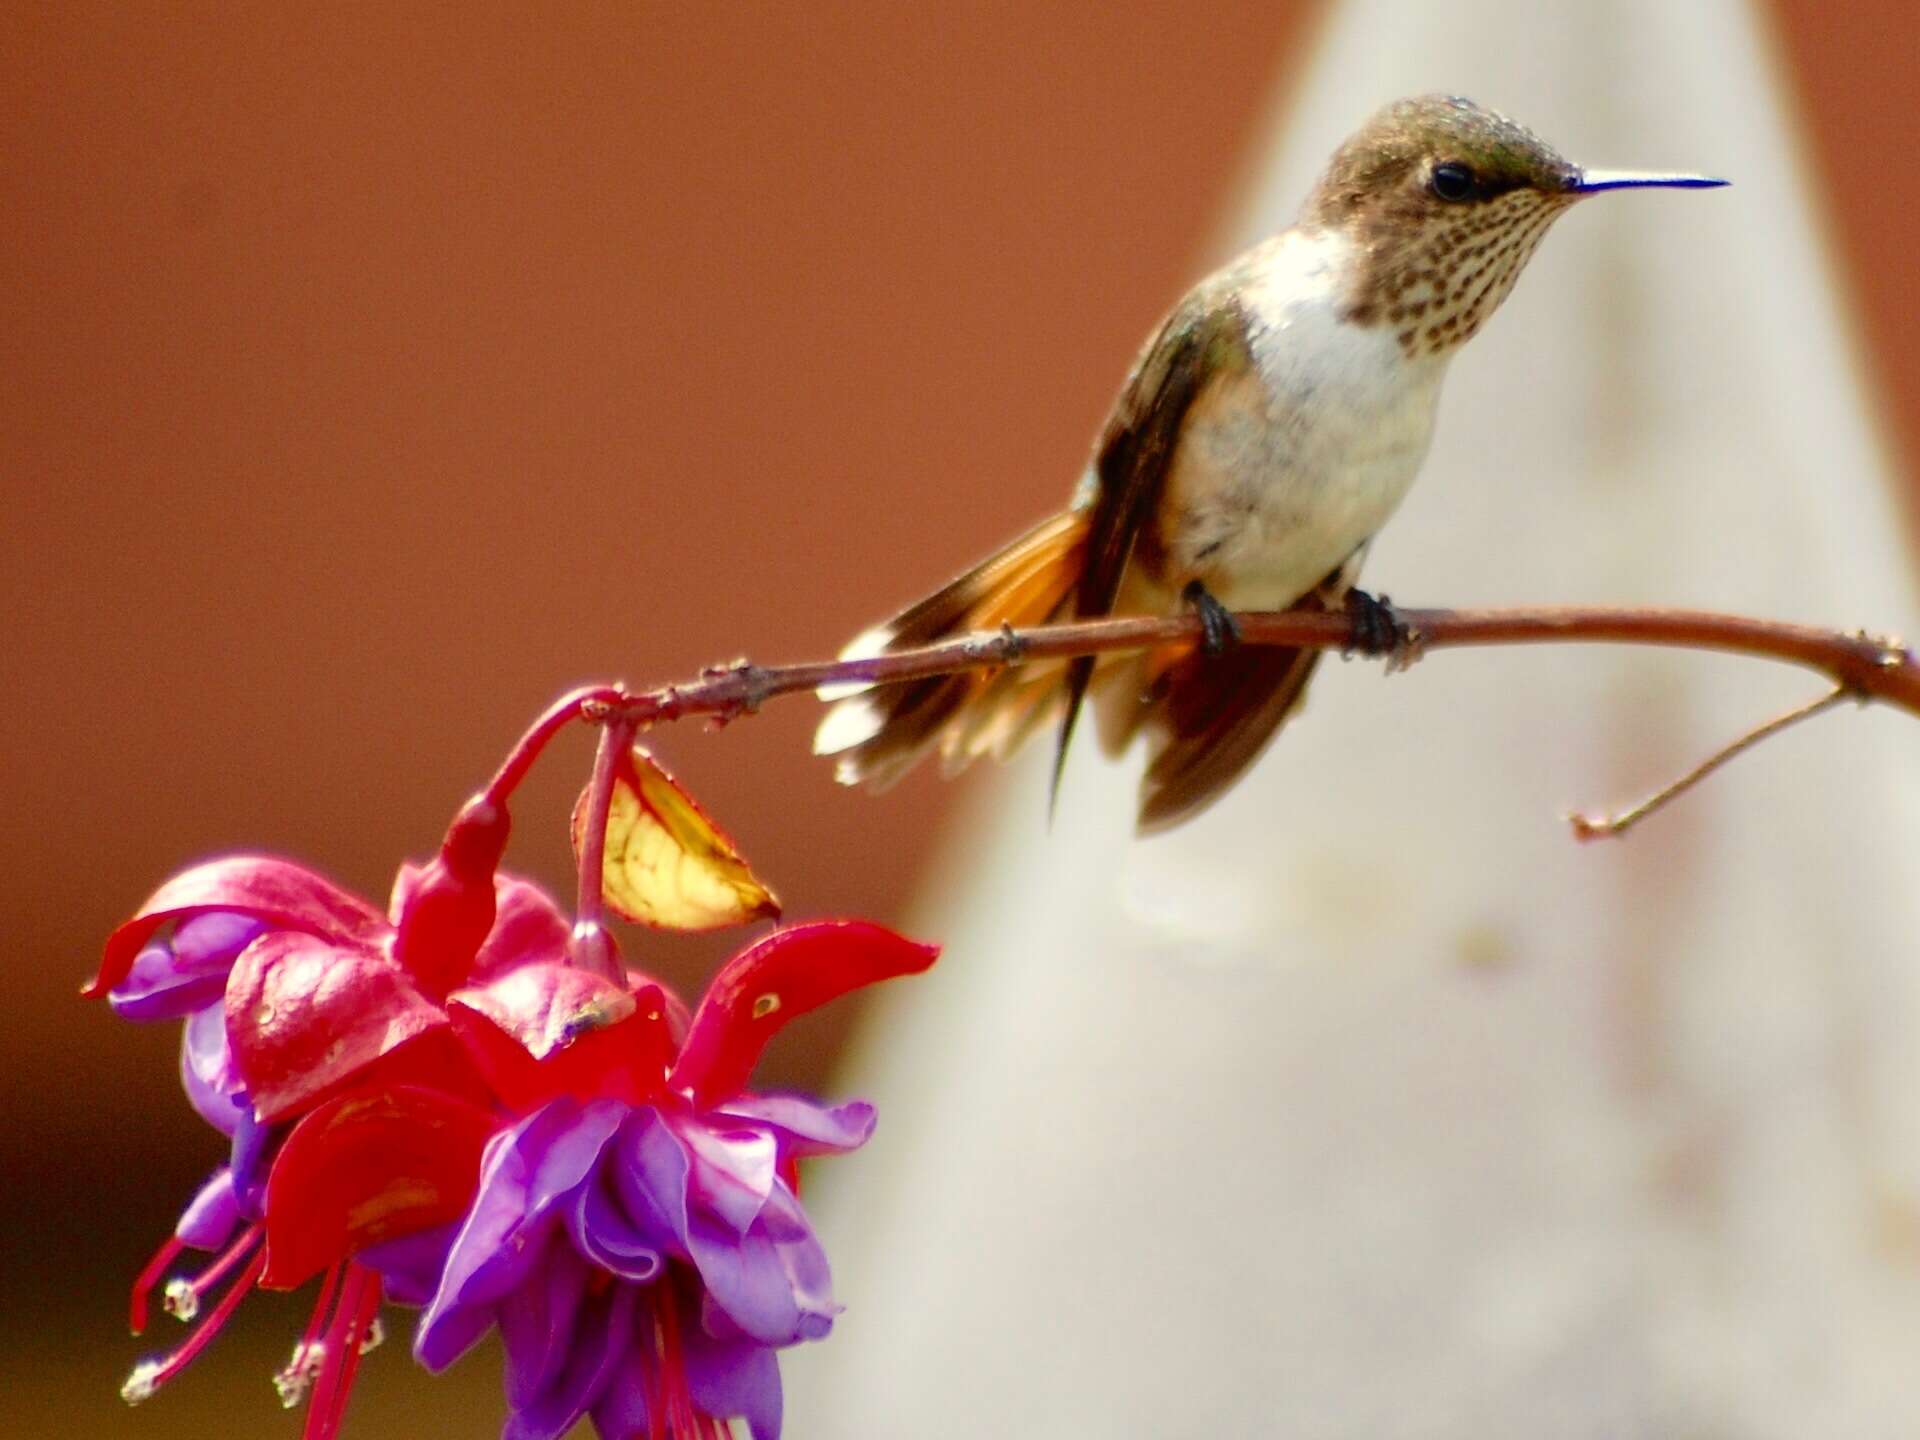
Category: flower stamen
<point>148,1277</point>
<point>309,1351</point>
<point>352,1320</point>
<point>150,1375</point>
<point>182,1297</point>
<point>670,1407</point>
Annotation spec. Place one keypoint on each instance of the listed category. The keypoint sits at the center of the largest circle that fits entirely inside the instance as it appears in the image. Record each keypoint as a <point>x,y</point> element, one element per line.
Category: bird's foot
<point>1219,631</point>
<point>1377,630</point>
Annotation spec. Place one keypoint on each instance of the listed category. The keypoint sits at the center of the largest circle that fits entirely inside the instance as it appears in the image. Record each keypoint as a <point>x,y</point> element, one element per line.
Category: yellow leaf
<point>667,864</point>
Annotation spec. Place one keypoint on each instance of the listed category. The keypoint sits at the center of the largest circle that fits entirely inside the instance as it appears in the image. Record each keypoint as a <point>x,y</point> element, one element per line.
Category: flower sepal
<point>795,969</point>
<point>303,1016</point>
<point>543,1031</point>
<point>278,893</point>
<point>373,1165</point>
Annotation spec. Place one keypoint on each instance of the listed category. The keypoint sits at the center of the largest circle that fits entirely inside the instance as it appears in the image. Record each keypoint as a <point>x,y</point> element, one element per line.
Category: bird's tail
<point>1207,719</point>
<point>880,733</point>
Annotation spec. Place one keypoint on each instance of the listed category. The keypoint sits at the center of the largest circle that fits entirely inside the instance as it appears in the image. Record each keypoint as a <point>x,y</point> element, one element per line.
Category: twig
<point>1867,666</point>
<point>1606,827</point>
<point>1860,666</point>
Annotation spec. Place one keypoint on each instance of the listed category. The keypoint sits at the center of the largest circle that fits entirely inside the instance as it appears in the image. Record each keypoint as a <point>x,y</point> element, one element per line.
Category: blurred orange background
<point>372,376</point>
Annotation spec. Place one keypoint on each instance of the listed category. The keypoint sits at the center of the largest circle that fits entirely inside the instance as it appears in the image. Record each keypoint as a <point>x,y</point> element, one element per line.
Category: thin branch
<point>1606,827</point>
<point>1867,667</point>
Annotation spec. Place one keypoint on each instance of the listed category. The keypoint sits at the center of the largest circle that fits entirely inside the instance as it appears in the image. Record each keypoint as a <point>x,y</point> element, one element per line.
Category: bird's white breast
<point>1283,471</point>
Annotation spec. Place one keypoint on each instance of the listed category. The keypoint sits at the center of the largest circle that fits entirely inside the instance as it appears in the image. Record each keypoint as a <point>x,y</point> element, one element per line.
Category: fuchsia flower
<point>544,1149</point>
<point>295,991</point>
<point>456,1104</point>
<point>637,1236</point>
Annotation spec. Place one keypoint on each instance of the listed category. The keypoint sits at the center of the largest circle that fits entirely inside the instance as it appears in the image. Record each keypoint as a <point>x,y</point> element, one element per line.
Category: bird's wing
<point>1203,341</point>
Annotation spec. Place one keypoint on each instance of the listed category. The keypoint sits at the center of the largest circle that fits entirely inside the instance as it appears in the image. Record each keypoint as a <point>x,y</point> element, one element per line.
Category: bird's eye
<point>1451,181</point>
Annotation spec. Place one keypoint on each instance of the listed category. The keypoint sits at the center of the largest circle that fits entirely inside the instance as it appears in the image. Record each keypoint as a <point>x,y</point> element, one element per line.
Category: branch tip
<point>1605,827</point>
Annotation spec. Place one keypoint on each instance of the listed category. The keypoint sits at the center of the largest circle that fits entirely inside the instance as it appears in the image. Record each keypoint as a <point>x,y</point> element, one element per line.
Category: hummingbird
<point>1268,429</point>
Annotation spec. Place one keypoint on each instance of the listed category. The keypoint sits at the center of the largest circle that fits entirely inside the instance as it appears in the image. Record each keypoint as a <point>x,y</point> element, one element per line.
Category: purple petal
<point>603,1232</point>
<point>734,1378</point>
<point>804,1260</point>
<point>747,1278</point>
<point>410,1267</point>
<point>537,1321</point>
<point>602,1339</point>
<point>175,977</point>
<point>156,988</point>
<point>206,1070</point>
<point>621,1408</point>
<point>649,1170</point>
<point>212,1216</point>
<point>214,940</point>
<point>252,1147</point>
<point>455,1331</point>
<point>733,1167</point>
<point>805,1127</point>
<point>807,1279</point>
<point>771,1280</point>
<point>525,1175</point>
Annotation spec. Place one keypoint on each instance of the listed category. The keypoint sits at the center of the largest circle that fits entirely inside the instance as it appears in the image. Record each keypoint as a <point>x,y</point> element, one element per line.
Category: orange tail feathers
<point>1207,718</point>
<point>880,733</point>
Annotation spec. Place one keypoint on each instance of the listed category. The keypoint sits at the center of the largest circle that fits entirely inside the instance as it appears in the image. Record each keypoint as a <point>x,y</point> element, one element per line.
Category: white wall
<point>1370,1104</point>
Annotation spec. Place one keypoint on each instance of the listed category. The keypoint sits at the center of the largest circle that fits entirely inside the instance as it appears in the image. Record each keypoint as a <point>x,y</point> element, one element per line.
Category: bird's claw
<point>1377,630</point>
<point>1219,631</point>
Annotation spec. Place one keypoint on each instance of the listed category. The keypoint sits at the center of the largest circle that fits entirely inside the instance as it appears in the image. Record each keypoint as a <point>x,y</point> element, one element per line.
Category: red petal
<point>285,895</point>
<point>547,1030</point>
<point>528,928</point>
<point>406,880</point>
<point>445,923</point>
<point>789,973</point>
<point>369,1166</point>
<point>303,1015</point>
<point>433,1060</point>
<point>449,910</point>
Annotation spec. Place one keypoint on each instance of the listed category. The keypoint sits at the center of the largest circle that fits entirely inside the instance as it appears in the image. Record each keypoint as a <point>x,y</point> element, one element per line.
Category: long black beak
<point>1592,182</point>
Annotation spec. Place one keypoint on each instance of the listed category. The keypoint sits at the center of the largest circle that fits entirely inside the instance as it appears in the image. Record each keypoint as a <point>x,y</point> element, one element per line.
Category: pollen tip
<point>141,1384</point>
<point>293,1382</point>
<point>180,1299</point>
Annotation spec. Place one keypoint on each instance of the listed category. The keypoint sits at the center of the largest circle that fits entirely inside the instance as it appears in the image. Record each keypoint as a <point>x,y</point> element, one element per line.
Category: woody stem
<point>1867,667</point>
